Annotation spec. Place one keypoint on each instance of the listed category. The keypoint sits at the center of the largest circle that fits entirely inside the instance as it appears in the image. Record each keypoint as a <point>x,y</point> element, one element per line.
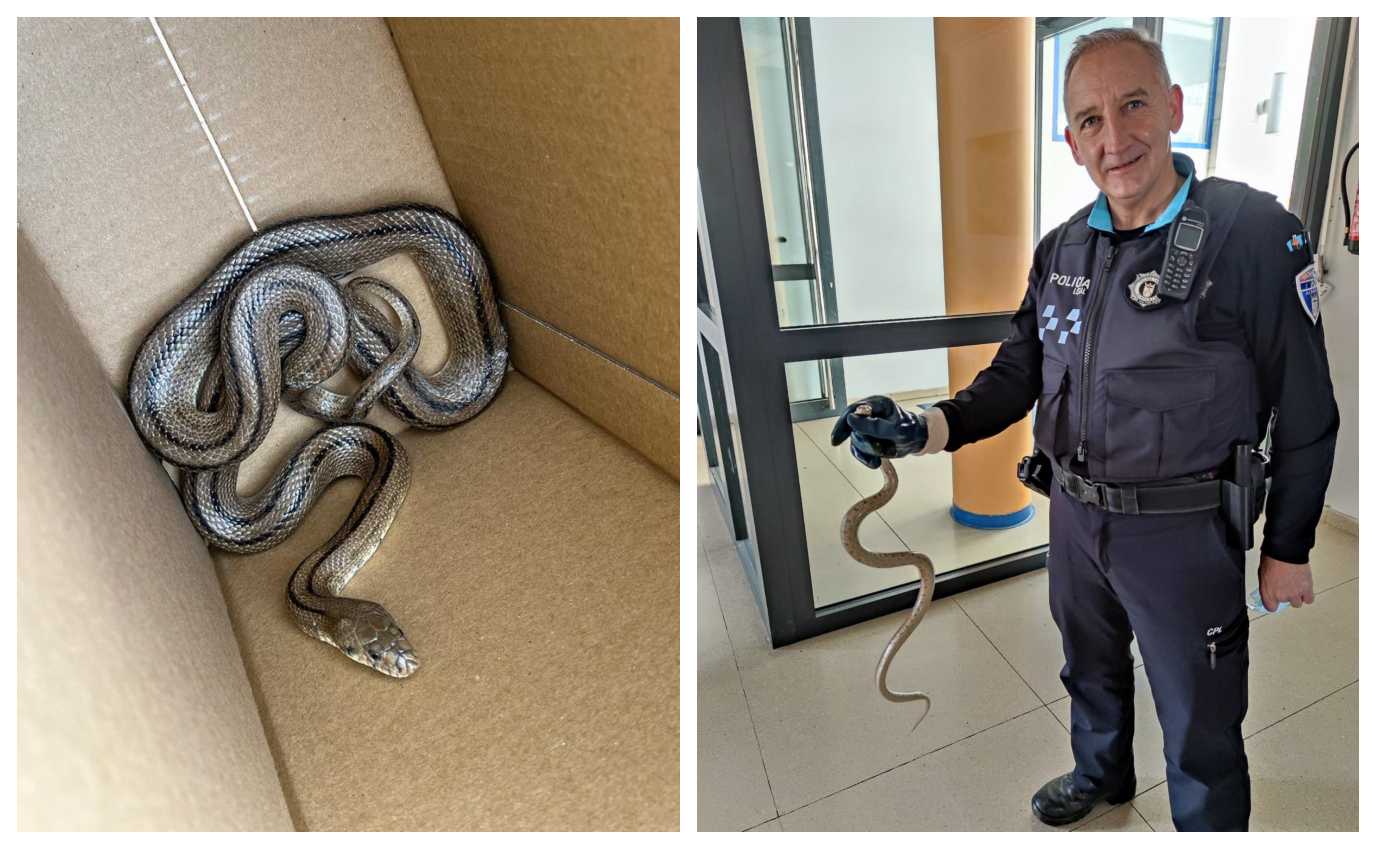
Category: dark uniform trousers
<point>1175,582</point>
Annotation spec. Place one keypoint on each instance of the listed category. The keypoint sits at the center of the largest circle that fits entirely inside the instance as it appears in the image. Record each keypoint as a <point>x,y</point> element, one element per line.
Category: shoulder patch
<point>1308,290</point>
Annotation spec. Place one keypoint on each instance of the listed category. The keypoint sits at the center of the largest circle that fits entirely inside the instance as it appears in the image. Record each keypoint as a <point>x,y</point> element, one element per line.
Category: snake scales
<point>270,323</point>
<point>850,534</point>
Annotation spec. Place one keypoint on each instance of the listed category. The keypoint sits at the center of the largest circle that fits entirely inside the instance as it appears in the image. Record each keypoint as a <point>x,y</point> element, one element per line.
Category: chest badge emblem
<point>1143,290</point>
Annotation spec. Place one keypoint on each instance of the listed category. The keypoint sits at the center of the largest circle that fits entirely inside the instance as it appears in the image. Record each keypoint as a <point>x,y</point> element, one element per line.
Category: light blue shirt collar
<point>1100,219</point>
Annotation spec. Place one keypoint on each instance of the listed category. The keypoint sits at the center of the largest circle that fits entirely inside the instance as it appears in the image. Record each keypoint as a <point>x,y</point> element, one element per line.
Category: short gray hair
<point>1116,35</point>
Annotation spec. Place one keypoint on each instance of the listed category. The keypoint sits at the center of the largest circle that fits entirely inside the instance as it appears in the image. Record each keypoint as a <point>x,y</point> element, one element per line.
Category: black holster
<point>1243,493</point>
<point>1035,472</point>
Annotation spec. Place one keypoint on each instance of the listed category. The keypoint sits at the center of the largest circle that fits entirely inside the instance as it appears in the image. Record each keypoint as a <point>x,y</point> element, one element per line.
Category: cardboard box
<point>534,563</point>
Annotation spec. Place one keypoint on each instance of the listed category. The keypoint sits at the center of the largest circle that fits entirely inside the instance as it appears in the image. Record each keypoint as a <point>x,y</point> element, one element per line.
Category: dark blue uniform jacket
<point>1248,301</point>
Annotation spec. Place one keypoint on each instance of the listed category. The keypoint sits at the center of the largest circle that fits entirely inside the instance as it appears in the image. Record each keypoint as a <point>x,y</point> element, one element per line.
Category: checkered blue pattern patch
<point>1072,325</point>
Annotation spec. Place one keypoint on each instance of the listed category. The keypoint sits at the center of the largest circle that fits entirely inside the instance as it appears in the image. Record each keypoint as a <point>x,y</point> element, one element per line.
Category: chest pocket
<point>1157,422</point>
<point>1051,410</point>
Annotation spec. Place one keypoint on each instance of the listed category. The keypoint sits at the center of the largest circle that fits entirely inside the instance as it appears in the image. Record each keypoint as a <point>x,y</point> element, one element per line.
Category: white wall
<point>1258,49</point>
<point>877,115</point>
<point>1339,311</point>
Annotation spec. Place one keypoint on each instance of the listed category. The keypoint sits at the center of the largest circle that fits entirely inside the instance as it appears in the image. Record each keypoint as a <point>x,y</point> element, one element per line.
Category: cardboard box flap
<point>134,709</point>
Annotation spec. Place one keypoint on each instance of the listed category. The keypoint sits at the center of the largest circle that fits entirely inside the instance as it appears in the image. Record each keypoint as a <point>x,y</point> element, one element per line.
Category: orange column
<point>985,127</point>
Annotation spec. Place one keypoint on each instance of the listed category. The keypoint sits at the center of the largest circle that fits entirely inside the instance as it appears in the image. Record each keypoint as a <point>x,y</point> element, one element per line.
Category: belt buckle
<point>1085,491</point>
<point>1101,495</point>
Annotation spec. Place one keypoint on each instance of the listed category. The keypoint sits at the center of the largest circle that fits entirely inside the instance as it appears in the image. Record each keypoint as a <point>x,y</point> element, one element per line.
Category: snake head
<point>373,638</point>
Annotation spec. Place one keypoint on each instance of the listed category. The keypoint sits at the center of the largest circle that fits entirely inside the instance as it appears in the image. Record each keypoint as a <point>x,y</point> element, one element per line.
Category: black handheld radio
<point>1184,242</point>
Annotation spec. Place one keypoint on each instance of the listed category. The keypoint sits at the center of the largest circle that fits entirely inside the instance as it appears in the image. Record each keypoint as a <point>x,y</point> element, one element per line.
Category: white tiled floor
<point>797,739</point>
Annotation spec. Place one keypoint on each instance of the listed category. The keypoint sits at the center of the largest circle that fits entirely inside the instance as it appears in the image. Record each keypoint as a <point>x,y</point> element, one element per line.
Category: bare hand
<point>1281,581</point>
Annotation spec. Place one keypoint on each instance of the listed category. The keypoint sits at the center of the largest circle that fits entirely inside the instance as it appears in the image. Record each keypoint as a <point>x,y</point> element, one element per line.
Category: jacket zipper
<point>1088,359</point>
<point>1212,648</point>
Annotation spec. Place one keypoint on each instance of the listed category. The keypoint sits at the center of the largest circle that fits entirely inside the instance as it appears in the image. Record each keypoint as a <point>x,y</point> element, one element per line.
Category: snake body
<point>273,321</point>
<point>850,533</point>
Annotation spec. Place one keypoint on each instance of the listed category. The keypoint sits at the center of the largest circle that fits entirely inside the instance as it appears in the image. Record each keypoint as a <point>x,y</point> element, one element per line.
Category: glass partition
<point>845,123</point>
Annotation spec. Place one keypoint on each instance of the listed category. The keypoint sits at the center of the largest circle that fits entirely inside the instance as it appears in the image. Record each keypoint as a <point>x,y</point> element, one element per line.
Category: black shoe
<point>1058,802</point>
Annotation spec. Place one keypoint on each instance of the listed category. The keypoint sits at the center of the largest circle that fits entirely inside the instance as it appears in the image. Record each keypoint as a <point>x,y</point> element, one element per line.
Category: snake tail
<point>850,534</point>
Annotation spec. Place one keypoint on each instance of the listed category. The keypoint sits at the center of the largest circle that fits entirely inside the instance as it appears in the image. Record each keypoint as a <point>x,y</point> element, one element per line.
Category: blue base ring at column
<point>988,522</point>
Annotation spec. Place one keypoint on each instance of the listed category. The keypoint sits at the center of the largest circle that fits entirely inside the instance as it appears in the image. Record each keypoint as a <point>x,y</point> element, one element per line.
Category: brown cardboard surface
<point>560,142</point>
<point>118,189</point>
<point>534,567</point>
<point>642,414</point>
<point>134,710</point>
<point>311,113</point>
<point>539,553</point>
<point>315,116</point>
<point>126,201</point>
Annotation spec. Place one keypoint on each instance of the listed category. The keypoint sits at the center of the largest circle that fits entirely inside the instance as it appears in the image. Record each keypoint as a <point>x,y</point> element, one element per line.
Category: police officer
<point>1163,326</point>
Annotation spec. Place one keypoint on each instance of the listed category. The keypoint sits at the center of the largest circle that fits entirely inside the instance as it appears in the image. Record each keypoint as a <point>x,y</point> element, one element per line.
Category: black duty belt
<point>1174,496</point>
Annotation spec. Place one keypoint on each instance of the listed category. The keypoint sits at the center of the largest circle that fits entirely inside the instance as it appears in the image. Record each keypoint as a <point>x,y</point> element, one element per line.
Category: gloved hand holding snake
<point>273,318</point>
<point>880,430</point>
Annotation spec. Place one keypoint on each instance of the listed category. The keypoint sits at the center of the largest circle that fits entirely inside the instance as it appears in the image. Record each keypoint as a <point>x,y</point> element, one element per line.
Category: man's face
<point>1121,120</point>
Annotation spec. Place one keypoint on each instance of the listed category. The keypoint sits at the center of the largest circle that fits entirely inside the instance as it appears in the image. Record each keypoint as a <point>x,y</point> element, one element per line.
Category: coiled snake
<point>273,321</point>
<point>850,534</point>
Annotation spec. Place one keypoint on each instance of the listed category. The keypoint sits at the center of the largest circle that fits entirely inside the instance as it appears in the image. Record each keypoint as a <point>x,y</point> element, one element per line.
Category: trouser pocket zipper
<point>1221,640</point>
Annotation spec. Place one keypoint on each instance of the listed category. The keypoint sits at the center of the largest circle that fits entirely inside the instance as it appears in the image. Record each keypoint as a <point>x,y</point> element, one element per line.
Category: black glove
<point>888,431</point>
